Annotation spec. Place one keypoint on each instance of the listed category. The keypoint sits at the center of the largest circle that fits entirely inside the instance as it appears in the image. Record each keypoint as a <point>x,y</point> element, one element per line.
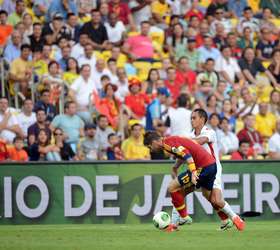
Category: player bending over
<point>201,171</point>
<point>207,138</point>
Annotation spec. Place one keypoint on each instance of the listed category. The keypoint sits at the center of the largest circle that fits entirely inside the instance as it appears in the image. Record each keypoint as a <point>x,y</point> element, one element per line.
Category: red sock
<point>178,201</point>
<point>222,215</point>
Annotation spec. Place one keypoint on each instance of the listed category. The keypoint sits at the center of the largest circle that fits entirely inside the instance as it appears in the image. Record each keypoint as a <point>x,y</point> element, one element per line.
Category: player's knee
<point>216,203</point>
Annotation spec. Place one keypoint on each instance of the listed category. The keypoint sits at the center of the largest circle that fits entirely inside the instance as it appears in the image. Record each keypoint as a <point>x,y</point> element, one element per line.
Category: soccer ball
<point>161,220</point>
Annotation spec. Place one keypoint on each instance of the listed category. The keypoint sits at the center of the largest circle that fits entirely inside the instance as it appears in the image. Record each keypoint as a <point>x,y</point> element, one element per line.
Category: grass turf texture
<point>258,235</point>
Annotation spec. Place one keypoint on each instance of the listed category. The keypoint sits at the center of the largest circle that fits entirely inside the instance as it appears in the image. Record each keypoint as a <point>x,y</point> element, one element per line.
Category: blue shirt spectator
<point>57,6</point>
<point>237,6</point>
<point>11,52</point>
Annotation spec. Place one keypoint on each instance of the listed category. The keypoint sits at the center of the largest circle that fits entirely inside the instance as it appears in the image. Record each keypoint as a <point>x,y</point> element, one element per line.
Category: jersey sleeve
<point>210,134</point>
<point>172,146</point>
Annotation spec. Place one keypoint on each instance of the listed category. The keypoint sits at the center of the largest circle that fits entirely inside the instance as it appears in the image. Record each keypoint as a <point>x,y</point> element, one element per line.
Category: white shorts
<point>218,180</point>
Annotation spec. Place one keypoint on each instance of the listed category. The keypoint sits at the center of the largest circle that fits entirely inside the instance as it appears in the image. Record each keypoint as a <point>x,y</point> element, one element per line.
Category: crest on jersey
<point>177,150</point>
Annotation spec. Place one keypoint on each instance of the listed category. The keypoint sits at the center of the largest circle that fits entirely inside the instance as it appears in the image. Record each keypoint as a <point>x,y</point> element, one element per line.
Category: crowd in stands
<point>84,79</point>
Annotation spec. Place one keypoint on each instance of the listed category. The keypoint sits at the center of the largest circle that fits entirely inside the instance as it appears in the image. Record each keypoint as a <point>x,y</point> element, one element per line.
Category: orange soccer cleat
<point>171,228</point>
<point>239,223</point>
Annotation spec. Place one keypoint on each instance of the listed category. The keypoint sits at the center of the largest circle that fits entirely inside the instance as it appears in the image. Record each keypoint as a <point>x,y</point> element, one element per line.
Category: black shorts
<point>206,179</point>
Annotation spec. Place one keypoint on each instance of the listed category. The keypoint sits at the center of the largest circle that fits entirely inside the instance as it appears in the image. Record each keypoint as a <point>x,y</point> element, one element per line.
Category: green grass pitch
<point>264,235</point>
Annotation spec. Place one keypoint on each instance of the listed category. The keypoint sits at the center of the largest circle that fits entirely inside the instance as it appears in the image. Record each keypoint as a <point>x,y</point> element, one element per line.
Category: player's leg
<point>177,193</point>
<point>175,217</point>
<point>206,181</point>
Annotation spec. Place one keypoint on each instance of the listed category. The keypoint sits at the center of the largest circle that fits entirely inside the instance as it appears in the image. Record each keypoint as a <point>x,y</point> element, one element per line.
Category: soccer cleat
<point>171,228</point>
<point>226,225</point>
<point>239,223</point>
<point>186,220</point>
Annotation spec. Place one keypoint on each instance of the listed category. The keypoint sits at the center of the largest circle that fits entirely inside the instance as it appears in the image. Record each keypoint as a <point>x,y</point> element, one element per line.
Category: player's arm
<point>192,168</point>
<point>201,140</point>
<point>174,170</point>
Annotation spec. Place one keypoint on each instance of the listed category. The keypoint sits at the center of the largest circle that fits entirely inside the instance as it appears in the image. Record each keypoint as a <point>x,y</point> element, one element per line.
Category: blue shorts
<point>206,179</point>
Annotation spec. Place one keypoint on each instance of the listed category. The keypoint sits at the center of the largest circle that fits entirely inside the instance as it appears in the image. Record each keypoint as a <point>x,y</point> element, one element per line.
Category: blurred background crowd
<point>84,79</point>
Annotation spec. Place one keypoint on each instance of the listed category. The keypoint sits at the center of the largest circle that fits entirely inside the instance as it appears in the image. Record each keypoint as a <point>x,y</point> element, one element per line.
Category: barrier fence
<point>124,192</point>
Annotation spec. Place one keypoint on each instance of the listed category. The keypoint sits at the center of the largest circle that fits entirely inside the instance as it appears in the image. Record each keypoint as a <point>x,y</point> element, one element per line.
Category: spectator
<point>177,41</point>
<point>140,47</point>
<point>232,42</point>
<point>45,104</point>
<point>102,132</point>
<point>64,149</point>
<point>237,6</point>
<point>5,28</point>
<point>228,140</point>
<point>214,121</point>
<point>274,6</point>
<point>26,117</point>
<point>88,57</point>
<point>73,26</point>
<point>122,12</point>
<point>274,67</point>
<point>40,7</point>
<point>243,152</point>
<point>203,92</point>
<point>88,148</point>
<point>9,126</point>
<point>220,19</point>
<point>104,11</point>
<point>96,31</point>
<point>115,30</point>
<point>250,66</point>
<point>193,55</point>
<point>43,150</point>
<point>251,135</point>
<point>274,143</point>
<point>36,39</point>
<point>248,21</point>
<point>114,152</point>
<point>216,4</point>
<point>149,87</point>
<point>275,102</point>
<point>80,92</point>
<point>173,83</point>
<point>245,39</point>
<point>52,81</point>
<point>110,105</point>
<point>72,71</point>
<point>207,51</point>
<point>228,67</point>
<point>16,16</point>
<point>266,44</point>
<point>63,7</point>
<point>12,50</point>
<point>16,152</point>
<point>133,147</point>
<point>78,50</point>
<point>184,75</point>
<point>141,10</point>
<point>248,103</point>
<point>157,109</point>
<point>56,29</point>
<point>208,74</point>
<point>228,113</point>
<point>3,150</point>
<point>122,85</point>
<point>98,71</point>
<point>160,12</point>
<point>267,20</point>
<point>20,71</point>
<point>221,93</point>
<point>137,101</point>
<point>211,105</point>
<point>179,119</point>
<point>70,123</point>
<point>265,121</point>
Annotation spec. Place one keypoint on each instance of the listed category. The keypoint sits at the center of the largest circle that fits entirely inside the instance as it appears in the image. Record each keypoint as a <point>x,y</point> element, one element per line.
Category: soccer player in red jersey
<point>201,171</point>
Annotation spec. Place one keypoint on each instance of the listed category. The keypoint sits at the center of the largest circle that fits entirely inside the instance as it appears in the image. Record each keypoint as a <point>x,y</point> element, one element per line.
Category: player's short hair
<point>151,136</point>
<point>209,60</point>
<point>243,142</point>
<point>100,117</point>
<point>4,12</point>
<point>25,46</point>
<point>40,110</point>
<point>67,104</point>
<point>111,135</point>
<point>202,113</point>
<point>183,100</point>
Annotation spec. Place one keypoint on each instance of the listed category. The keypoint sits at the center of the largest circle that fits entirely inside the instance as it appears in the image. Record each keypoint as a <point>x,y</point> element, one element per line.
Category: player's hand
<point>194,177</point>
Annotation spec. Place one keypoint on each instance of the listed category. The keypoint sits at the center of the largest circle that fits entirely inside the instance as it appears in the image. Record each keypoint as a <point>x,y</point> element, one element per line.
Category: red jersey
<point>184,148</point>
